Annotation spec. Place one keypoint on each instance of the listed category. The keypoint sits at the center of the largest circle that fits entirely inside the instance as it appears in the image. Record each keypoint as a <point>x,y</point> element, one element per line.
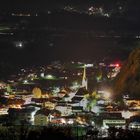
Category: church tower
<point>84,79</point>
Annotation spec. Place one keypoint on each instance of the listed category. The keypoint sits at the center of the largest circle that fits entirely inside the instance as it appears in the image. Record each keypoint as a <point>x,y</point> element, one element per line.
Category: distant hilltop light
<point>114,65</point>
<point>23,14</point>
<point>19,44</point>
<point>89,65</point>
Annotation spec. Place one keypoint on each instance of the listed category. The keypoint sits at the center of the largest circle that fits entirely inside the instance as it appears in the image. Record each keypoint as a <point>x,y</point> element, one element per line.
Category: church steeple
<point>84,79</point>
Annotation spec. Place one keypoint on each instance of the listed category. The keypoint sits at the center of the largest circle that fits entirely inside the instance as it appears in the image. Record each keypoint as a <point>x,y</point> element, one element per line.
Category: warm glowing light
<point>114,65</point>
<point>117,65</point>
<point>106,94</point>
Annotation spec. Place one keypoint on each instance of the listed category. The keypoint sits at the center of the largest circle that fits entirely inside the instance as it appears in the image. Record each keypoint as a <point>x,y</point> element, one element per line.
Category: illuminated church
<point>84,79</point>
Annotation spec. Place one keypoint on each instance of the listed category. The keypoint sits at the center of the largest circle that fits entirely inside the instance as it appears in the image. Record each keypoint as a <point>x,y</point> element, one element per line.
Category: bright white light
<point>107,95</point>
<point>25,81</point>
<point>101,102</point>
<point>42,74</point>
<point>32,79</point>
<point>127,114</point>
<point>96,109</point>
<point>91,8</point>
<point>19,45</point>
<point>78,73</point>
<point>63,121</point>
<point>75,83</point>
<point>49,76</point>
<point>92,123</point>
<point>70,122</point>
<point>105,127</point>
<point>3,111</point>
<point>89,65</point>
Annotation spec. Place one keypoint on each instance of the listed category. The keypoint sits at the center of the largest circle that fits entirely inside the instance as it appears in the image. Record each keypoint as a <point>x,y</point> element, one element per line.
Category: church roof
<point>82,91</point>
<point>46,112</point>
<point>66,96</point>
<point>76,99</point>
<point>77,108</point>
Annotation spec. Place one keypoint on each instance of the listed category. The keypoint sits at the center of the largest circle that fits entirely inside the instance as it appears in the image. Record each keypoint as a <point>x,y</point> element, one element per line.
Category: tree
<point>92,99</point>
<point>37,92</point>
<point>9,90</point>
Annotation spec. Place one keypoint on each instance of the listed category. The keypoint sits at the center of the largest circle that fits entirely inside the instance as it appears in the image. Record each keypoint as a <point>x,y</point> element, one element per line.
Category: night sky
<point>67,36</point>
<point>37,4</point>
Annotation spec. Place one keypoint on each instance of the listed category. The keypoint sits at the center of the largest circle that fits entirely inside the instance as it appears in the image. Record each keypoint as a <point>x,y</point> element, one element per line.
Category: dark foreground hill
<point>128,80</point>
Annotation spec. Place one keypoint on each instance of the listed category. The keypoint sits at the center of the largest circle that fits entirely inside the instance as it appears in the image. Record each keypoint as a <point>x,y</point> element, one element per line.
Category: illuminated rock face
<point>128,80</point>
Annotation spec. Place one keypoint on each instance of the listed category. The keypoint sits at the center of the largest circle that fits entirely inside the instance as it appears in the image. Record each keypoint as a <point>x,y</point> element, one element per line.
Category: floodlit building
<point>84,80</point>
<point>114,119</point>
<point>44,116</point>
<point>64,108</point>
<point>134,126</point>
<point>49,105</point>
<point>134,122</point>
<point>79,98</point>
<point>132,102</point>
<point>21,116</point>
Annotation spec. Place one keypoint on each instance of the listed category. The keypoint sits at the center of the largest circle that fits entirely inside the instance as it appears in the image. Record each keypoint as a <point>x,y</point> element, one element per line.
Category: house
<point>114,122</point>
<point>79,101</point>
<point>44,116</point>
<point>62,93</point>
<point>134,123</point>
<point>50,105</point>
<point>66,98</point>
<point>25,96</point>
<point>39,101</point>
<point>114,119</point>
<point>69,96</point>
<point>64,108</point>
<point>77,109</point>
<point>134,126</point>
<point>81,92</point>
<point>21,116</point>
<point>68,120</point>
<point>132,102</point>
<point>15,103</point>
<point>3,111</point>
